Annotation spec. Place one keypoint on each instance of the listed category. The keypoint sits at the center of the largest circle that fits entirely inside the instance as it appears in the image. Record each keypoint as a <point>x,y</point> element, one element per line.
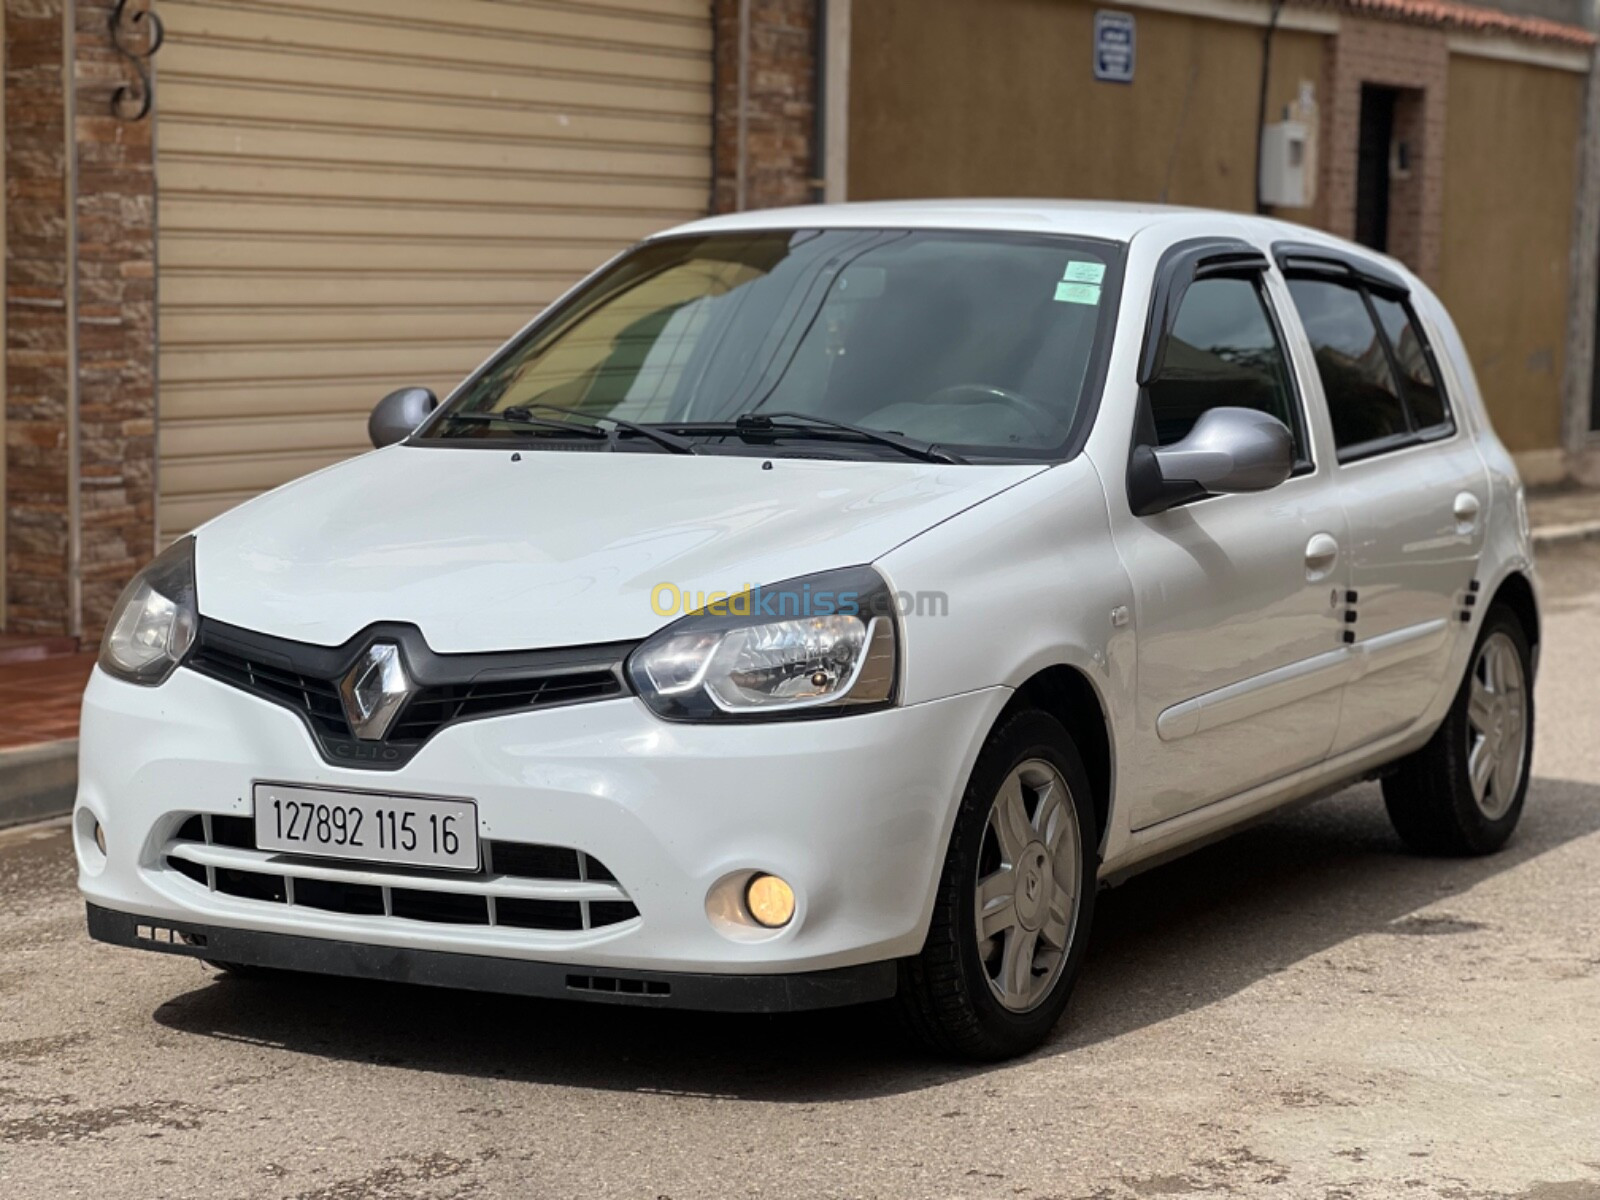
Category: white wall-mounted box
<point>1285,165</point>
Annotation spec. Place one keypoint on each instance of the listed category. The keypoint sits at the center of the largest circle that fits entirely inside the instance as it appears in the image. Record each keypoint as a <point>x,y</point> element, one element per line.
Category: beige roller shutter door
<point>356,195</point>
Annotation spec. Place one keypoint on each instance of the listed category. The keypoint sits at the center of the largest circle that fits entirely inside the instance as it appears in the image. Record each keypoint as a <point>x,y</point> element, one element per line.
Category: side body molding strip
<point>1298,681</point>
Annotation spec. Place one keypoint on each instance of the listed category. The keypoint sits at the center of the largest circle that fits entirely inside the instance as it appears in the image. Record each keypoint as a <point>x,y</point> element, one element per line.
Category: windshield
<point>991,344</point>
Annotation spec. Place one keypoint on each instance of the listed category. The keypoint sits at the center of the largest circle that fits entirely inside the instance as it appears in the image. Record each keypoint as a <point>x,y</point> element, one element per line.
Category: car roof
<point>1111,220</point>
<point>1085,218</point>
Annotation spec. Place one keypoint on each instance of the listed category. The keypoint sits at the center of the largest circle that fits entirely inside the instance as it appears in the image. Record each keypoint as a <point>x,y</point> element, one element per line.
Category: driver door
<point>1238,599</point>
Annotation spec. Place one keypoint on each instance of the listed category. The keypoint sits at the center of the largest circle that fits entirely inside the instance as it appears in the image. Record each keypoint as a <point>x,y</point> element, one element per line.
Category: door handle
<point>1466,510</point>
<point>1322,551</point>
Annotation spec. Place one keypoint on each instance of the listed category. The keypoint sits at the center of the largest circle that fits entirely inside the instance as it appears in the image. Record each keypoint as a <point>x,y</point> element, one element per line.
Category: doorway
<point>1372,166</point>
<point>1594,387</point>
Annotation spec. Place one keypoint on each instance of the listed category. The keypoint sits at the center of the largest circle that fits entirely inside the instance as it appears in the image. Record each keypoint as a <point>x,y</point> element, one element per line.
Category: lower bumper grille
<point>357,899</point>
<point>522,885</point>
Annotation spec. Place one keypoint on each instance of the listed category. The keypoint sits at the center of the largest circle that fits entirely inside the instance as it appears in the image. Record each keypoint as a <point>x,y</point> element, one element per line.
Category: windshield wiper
<point>521,414</point>
<point>660,437</point>
<point>522,417</point>
<point>769,423</point>
<point>745,425</point>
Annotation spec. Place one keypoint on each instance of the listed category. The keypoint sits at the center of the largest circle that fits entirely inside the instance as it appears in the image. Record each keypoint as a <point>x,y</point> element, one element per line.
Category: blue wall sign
<point>1113,47</point>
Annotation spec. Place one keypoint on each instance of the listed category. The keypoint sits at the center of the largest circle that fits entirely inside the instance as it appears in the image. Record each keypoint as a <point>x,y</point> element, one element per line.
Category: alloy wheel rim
<point>1029,885</point>
<point>1497,726</point>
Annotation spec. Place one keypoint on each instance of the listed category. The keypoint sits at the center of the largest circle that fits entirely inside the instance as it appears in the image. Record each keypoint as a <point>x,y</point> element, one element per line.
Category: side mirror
<point>1228,450</point>
<point>398,414</point>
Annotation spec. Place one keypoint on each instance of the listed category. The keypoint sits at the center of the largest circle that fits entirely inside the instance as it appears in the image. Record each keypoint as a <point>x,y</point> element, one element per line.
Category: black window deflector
<point>1181,265</point>
<point>1308,258</point>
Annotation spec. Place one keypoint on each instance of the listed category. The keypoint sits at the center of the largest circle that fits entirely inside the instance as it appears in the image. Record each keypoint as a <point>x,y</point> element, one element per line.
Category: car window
<point>986,343</point>
<point>1364,403</point>
<point>1224,350</point>
<point>1422,391</point>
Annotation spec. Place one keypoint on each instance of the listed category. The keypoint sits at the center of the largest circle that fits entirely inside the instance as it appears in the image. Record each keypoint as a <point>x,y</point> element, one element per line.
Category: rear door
<point>1412,483</point>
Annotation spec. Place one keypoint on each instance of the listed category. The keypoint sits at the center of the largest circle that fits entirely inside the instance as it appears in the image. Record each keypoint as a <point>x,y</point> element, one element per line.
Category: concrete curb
<point>1561,535</point>
<point>38,782</point>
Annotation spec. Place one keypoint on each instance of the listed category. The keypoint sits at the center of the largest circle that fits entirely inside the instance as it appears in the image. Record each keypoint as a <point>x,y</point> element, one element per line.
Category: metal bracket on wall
<point>137,33</point>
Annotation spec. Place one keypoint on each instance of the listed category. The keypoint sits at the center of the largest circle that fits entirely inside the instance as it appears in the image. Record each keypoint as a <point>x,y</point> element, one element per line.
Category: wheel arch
<point>1068,695</point>
<point>1516,593</point>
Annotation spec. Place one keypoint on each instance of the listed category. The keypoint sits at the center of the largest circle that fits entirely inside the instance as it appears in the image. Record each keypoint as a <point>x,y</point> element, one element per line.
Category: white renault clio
<point>814,605</point>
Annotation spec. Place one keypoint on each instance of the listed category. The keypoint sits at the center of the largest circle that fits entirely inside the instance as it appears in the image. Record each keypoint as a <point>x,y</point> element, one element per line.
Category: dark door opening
<point>1372,166</point>
<point>1594,385</point>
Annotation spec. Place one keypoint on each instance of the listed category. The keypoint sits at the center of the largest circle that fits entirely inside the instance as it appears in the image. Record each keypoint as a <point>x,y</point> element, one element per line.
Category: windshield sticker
<point>1078,293</point>
<point>1085,272</point>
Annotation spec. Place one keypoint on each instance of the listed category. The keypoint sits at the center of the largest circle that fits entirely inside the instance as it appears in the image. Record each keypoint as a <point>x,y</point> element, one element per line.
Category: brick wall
<point>116,320</point>
<point>109,486</point>
<point>780,109</point>
<point>1417,60</point>
<point>38,457</point>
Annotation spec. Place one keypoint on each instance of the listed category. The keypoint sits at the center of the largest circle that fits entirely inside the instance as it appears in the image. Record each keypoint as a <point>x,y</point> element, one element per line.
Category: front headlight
<point>821,646</point>
<point>154,622</point>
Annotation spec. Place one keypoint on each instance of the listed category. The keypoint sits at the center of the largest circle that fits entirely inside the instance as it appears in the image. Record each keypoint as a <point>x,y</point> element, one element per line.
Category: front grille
<point>447,688</point>
<point>317,700</point>
<point>219,853</point>
<point>431,709</point>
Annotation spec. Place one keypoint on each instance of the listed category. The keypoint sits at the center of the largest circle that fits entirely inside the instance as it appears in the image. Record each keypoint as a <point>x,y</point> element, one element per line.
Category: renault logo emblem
<point>374,690</point>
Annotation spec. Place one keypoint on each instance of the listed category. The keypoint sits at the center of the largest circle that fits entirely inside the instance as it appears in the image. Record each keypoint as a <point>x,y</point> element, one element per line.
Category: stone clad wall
<point>781,104</point>
<point>116,321</point>
<point>38,457</point>
<point>84,288</point>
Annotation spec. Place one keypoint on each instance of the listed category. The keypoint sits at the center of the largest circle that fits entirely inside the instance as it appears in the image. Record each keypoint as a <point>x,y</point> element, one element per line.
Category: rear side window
<point>1377,374</point>
<point>1411,356</point>
<point>1363,394</point>
<point>1224,349</point>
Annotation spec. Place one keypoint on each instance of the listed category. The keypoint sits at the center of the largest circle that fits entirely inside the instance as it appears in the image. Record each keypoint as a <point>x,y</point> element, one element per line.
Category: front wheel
<point>1463,792</point>
<point>1015,899</point>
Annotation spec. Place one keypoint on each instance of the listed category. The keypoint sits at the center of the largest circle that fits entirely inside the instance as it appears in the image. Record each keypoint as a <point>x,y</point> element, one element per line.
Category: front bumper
<point>854,812</point>
<point>485,973</point>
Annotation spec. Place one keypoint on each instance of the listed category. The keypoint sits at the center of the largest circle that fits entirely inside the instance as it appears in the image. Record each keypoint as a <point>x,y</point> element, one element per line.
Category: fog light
<point>100,837</point>
<point>770,901</point>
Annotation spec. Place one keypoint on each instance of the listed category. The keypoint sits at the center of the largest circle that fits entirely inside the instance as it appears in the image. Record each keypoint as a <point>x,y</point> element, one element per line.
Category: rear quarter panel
<point>1508,543</point>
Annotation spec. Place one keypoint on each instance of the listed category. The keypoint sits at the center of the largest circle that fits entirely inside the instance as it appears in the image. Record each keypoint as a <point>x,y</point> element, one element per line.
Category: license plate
<point>367,826</point>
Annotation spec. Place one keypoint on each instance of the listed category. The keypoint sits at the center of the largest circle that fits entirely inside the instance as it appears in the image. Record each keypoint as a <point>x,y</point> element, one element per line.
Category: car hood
<point>483,550</point>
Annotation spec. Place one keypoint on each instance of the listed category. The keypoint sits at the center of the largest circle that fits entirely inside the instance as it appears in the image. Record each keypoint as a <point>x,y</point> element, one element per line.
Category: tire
<point>949,995</point>
<point>1434,802</point>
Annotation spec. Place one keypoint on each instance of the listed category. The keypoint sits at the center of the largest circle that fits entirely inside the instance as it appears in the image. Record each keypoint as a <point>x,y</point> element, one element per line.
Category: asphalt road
<point>1302,1010</point>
